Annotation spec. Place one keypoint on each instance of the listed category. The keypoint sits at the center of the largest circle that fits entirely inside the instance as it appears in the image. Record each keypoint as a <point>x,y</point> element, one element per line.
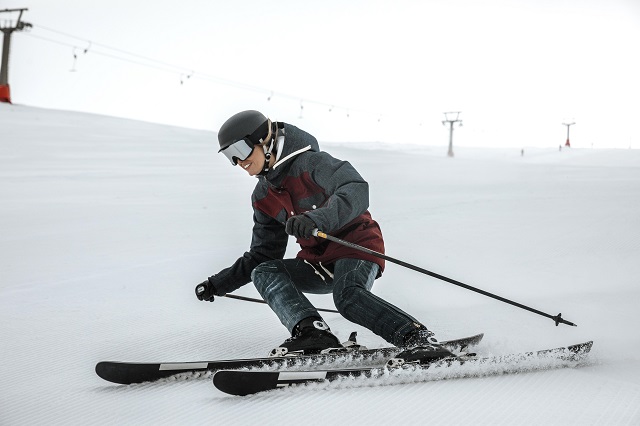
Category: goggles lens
<point>239,150</point>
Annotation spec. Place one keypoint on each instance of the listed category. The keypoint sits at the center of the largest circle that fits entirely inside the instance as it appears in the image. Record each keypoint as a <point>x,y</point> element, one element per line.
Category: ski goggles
<point>238,151</point>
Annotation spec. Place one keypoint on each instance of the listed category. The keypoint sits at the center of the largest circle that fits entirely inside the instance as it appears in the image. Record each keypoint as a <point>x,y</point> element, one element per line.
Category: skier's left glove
<point>300,226</point>
<point>206,291</point>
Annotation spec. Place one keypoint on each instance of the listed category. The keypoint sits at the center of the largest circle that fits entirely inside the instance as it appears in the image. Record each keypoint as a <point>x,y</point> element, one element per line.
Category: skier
<point>301,189</point>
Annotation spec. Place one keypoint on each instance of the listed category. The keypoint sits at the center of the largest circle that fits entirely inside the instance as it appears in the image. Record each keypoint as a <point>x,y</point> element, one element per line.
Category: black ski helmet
<point>246,124</point>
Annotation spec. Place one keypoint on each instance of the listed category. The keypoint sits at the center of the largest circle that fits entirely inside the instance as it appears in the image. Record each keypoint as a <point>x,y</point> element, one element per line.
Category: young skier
<point>300,189</point>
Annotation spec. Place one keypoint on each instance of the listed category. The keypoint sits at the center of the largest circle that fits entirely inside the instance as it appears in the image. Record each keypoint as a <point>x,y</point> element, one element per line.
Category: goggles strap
<point>270,131</point>
<point>264,129</point>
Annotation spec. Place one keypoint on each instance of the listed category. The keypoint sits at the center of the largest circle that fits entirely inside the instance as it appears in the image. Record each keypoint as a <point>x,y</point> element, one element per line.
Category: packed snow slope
<point>107,225</point>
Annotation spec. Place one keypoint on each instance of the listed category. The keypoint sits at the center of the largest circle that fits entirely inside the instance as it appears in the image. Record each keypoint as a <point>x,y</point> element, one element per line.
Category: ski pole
<point>557,319</point>
<point>250,299</point>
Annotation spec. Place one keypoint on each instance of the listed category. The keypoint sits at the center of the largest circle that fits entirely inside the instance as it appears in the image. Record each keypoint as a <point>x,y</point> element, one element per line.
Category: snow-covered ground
<point>108,224</point>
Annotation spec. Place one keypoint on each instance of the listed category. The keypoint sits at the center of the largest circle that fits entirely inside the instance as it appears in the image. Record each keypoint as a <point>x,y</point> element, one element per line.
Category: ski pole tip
<point>558,319</point>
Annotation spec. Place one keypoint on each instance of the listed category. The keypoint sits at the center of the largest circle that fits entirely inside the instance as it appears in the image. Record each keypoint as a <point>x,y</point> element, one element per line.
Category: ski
<point>127,373</point>
<point>245,382</point>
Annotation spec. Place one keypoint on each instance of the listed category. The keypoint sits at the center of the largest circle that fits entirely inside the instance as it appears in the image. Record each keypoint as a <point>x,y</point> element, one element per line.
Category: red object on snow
<point>5,95</point>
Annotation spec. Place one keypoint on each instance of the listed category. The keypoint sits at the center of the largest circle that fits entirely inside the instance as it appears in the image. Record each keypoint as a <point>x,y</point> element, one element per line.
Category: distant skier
<point>300,189</point>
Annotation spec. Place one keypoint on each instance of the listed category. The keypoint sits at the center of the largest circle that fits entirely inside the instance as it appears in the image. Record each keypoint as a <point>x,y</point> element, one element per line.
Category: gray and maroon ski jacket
<point>305,180</point>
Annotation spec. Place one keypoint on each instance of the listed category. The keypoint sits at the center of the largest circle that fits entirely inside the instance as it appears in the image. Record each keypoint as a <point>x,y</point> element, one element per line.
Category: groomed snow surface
<point>108,225</point>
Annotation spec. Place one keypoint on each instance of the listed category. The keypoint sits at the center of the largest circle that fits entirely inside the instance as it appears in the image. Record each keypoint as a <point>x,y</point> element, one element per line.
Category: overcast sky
<point>344,70</point>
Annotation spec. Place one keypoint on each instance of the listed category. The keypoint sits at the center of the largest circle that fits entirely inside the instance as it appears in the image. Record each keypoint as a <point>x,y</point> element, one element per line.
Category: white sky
<point>516,69</point>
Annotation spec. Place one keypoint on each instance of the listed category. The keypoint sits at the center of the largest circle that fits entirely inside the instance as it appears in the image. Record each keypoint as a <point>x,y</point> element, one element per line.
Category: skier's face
<point>254,163</point>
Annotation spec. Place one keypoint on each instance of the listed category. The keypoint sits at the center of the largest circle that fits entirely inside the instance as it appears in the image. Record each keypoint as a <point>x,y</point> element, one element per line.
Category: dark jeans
<point>283,282</point>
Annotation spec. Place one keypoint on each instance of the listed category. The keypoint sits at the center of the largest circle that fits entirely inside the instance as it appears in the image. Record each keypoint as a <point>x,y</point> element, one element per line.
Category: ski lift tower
<point>8,27</point>
<point>449,118</point>
<point>567,143</point>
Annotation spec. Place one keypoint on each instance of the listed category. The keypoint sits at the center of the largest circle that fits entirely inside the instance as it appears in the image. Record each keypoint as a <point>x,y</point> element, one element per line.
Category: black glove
<point>300,226</point>
<point>205,291</point>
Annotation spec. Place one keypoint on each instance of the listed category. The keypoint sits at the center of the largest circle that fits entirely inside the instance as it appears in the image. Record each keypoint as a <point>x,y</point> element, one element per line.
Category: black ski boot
<point>311,336</point>
<point>421,347</point>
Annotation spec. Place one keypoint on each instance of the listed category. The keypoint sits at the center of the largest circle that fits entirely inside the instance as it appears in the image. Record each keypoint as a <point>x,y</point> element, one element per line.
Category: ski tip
<point>111,372</point>
<point>240,384</point>
<point>464,342</point>
<point>581,349</point>
<point>124,373</point>
<point>105,371</point>
<point>588,345</point>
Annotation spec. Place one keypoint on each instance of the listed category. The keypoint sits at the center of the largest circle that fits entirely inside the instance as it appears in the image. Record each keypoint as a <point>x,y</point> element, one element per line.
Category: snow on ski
<point>127,373</point>
<point>243,382</point>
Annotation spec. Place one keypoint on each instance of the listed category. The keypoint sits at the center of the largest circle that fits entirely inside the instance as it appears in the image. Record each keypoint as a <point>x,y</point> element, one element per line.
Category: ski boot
<point>310,336</point>
<point>420,347</point>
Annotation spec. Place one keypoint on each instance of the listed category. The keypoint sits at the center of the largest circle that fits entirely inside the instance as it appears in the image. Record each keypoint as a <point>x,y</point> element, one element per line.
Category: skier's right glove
<point>300,226</point>
<point>206,291</point>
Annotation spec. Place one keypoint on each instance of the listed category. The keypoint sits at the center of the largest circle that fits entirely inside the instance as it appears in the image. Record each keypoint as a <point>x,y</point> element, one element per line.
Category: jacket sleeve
<point>347,191</point>
<point>269,242</point>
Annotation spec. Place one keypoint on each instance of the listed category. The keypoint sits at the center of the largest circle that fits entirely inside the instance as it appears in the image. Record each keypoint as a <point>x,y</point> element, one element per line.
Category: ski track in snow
<point>108,225</point>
